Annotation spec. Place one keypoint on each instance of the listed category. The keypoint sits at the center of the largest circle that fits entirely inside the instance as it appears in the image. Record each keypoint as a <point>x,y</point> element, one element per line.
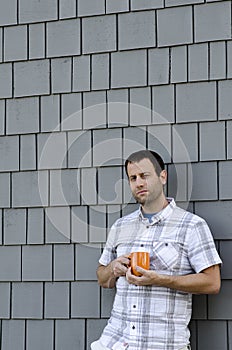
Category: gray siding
<point>83,84</point>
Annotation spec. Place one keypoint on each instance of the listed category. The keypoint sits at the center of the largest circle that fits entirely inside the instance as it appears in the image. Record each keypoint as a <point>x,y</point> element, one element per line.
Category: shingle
<point>209,149</point>
<point>89,8</point>
<point>63,38</point>
<point>9,147</point>
<point>4,300</point>
<point>22,115</point>
<point>50,113</point>
<point>217,60</point>
<point>79,149</point>
<point>99,34</point>
<point>128,68</point>
<point>97,224</point>
<point>57,300</point>
<point>15,226</point>
<point>81,73</point>
<point>38,84</point>
<point>13,334</point>
<point>107,147</point>
<point>159,139</point>
<point>87,257</point>
<point>57,225</point>
<point>225,190</point>
<point>94,109</point>
<point>6,89</point>
<point>206,189</point>
<point>37,40</point>
<point>212,21</point>
<point>175,26</point>
<point>71,111</point>
<point>36,328</point>
<point>37,263</point>
<point>35,226</point>
<point>65,187</point>
<point>30,189</point>
<point>117,6</point>
<point>52,150</point>
<point>10,263</point>
<point>8,12</point>
<point>191,106</point>
<point>37,11</point>
<point>67,8</point>
<point>15,43</point>
<point>140,106</point>
<point>63,262</point>
<point>140,30</point>
<point>100,72</point>
<point>70,334</point>
<point>179,64</point>
<point>117,111</point>
<point>198,62</point>
<point>110,185</point>
<point>27,300</point>
<point>163,104</point>
<point>218,215</point>
<point>185,142</point>
<point>28,152</point>
<point>89,293</point>
<point>79,224</point>
<point>61,75</point>
<point>158,69</point>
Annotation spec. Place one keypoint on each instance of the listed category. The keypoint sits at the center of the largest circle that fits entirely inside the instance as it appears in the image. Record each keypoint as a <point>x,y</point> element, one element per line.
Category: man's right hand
<point>107,275</point>
<point>120,265</point>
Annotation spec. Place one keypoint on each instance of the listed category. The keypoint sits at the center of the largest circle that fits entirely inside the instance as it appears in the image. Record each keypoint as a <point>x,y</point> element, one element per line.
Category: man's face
<point>146,186</point>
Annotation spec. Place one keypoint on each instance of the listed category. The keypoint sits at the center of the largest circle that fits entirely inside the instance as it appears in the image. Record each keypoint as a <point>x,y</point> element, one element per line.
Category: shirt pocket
<point>166,256</point>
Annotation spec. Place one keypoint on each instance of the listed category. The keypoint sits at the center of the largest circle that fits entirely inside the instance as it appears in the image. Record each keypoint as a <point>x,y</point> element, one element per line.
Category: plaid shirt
<point>151,317</point>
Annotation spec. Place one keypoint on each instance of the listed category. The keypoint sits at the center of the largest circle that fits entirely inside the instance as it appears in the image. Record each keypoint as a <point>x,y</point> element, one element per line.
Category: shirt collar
<point>161,215</point>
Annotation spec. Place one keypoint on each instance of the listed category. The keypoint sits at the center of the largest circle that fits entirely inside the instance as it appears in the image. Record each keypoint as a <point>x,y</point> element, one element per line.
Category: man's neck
<point>155,207</point>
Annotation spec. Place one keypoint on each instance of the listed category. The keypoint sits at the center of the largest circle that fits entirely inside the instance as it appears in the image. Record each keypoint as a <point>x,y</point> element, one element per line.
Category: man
<point>152,312</point>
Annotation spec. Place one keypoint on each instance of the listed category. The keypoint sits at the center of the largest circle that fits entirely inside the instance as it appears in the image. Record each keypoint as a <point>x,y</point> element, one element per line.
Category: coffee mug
<point>141,259</point>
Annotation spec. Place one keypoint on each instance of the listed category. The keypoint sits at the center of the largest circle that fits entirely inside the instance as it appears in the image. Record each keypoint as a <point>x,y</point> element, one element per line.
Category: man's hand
<point>119,266</point>
<point>107,275</point>
<point>148,277</point>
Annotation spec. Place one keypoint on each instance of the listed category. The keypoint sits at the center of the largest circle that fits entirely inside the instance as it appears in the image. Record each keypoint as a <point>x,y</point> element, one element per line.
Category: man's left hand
<point>148,277</point>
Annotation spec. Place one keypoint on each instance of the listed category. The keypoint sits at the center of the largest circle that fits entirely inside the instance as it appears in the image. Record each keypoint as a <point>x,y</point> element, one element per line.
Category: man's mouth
<point>141,192</point>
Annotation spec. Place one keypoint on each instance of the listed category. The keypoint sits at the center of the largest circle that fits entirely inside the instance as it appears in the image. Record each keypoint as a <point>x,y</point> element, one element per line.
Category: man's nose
<point>139,182</point>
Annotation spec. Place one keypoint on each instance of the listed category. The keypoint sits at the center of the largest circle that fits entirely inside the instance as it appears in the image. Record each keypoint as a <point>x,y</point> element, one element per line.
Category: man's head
<point>154,157</point>
<point>147,177</point>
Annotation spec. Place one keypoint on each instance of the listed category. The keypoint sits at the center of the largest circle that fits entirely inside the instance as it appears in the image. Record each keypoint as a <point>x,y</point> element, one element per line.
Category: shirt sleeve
<point>109,252</point>
<point>202,252</point>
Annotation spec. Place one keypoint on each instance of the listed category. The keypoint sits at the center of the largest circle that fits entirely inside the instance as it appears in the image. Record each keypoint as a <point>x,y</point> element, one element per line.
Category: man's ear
<point>163,176</point>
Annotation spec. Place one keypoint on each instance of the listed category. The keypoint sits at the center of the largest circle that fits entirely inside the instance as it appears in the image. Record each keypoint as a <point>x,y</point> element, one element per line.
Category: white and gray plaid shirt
<point>150,317</point>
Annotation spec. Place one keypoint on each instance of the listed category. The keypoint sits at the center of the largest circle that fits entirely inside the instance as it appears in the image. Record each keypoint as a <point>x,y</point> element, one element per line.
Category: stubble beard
<point>147,199</point>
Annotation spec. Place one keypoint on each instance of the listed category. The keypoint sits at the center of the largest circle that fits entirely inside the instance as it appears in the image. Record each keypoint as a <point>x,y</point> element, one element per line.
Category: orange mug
<point>141,259</point>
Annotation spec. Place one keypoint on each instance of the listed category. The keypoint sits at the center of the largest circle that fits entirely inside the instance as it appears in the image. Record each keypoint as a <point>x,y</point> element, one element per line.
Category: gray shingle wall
<point>83,84</point>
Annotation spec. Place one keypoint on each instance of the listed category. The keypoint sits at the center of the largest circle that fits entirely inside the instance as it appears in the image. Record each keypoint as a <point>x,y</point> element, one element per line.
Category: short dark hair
<point>154,157</point>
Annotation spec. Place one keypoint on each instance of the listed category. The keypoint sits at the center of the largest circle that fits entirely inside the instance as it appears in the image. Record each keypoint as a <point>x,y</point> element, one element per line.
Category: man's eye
<point>132,178</point>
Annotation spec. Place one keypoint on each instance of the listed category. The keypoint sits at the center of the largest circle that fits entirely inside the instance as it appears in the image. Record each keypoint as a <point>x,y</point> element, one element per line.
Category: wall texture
<point>84,83</point>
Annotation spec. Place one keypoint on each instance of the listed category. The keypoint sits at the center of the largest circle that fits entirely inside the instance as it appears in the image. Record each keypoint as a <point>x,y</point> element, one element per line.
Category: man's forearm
<point>206,282</point>
<point>106,277</point>
<point>199,283</point>
<point>195,284</point>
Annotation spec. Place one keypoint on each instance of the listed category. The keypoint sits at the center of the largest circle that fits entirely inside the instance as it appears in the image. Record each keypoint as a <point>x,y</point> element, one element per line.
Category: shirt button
<point>147,226</point>
<point>134,306</point>
<point>133,327</point>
